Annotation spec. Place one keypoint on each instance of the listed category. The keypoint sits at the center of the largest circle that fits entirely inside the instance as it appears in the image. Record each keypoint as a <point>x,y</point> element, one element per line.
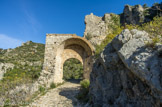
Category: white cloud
<point>9,42</point>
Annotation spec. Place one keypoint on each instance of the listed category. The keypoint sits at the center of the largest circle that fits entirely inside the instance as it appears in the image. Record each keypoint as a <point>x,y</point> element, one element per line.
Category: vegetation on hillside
<point>116,29</point>
<point>153,28</point>
<point>27,60</point>
<point>72,69</point>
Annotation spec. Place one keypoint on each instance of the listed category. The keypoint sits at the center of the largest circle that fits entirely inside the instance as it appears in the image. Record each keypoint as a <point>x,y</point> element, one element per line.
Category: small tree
<point>145,6</point>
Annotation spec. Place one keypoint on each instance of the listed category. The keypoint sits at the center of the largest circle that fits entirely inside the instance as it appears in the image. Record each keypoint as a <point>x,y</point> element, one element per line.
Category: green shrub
<point>52,85</point>
<point>42,89</point>
<point>108,39</point>
<point>7,103</point>
<point>22,74</point>
<point>145,6</point>
<point>72,69</point>
<point>83,94</point>
<point>153,28</point>
<point>85,84</point>
<point>116,29</point>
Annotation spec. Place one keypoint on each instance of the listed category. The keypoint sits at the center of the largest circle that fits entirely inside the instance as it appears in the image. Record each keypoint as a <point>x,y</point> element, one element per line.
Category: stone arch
<point>59,48</point>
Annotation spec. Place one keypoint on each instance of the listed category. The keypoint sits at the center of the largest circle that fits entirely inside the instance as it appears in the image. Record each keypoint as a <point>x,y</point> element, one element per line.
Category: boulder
<point>128,73</point>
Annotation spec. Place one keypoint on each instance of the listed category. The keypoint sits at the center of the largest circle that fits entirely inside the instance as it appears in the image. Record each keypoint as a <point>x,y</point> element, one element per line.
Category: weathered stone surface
<point>137,14</point>
<point>4,67</point>
<point>19,95</point>
<point>97,27</point>
<point>62,96</point>
<point>128,73</point>
<point>133,14</point>
<point>59,48</point>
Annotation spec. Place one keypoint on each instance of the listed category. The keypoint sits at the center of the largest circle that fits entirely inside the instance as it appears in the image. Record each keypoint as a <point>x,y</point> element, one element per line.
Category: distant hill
<point>27,60</point>
<point>28,52</point>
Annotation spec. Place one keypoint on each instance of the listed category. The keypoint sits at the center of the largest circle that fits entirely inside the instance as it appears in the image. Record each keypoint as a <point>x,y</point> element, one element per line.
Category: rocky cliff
<point>138,14</point>
<point>97,28</point>
<point>128,73</point>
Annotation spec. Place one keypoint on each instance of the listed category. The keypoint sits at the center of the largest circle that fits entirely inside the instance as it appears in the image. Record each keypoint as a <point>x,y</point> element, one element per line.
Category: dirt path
<point>62,96</point>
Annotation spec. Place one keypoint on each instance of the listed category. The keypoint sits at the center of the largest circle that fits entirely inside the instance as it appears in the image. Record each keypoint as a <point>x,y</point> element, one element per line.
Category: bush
<point>83,94</point>
<point>52,85</point>
<point>42,89</point>
<point>7,103</point>
<point>85,84</point>
<point>108,39</point>
<point>72,69</point>
<point>153,28</point>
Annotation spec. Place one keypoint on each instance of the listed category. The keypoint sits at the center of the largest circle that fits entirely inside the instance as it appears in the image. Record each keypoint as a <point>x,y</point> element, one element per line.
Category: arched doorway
<point>59,48</point>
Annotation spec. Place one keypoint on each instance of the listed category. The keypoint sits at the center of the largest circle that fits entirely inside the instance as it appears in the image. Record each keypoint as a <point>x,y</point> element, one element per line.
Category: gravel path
<point>62,96</point>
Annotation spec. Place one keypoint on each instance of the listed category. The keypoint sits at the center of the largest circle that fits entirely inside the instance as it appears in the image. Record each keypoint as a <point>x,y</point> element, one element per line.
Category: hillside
<point>127,62</point>
<point>21,65</point>
<point>29,51</point>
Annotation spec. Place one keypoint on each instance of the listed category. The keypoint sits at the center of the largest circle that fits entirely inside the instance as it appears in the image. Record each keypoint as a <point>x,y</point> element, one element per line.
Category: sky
<point>24,20</point>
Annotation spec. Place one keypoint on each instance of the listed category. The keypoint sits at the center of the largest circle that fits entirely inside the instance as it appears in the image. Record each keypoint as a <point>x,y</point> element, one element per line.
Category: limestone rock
<point>4,67</point>
<point>133,14</point>
<point>97,27</point>
<point>138,14</point>
<point>128,73</point>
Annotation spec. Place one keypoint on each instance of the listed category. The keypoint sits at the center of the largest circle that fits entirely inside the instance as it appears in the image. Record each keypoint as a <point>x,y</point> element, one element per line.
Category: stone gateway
<point>61,47</point>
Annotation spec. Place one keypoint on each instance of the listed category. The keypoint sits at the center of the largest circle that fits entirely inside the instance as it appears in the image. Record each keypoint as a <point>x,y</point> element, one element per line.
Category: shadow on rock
<point>77,81</point>
<point>70,93</point>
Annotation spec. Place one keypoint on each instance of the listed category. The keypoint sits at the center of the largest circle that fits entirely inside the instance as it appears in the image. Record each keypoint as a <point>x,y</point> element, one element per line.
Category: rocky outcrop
<point>98,27</point>
<point>128,73</point>
<point>138,14</point>
<point>4,67</point>
<point>132,14</point>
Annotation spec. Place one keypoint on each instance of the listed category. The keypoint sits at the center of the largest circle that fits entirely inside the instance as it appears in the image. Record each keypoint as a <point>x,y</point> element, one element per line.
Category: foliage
<point>155,4</point>
<point>145,6</point>
<point>27,60</point>
<point>52,85</point>
<point>116,29</point>
<point>115,22</point>
<point>153,28</point>
<point>85,83</point>
<point>72,69</point>
<point>42,89</point>
<point>83,94</point>
<point>107,40</point>
<point>7,103</point>
<point>146,12</point>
